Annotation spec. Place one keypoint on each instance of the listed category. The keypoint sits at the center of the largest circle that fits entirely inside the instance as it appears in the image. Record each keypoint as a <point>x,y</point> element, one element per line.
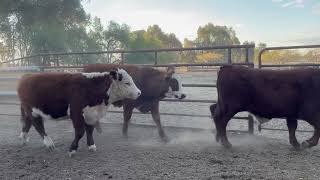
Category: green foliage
<point>211,35</point>
<point>31,26</point>
<point>153,38</point>
<point>207,36</point>
<point>313,55</point>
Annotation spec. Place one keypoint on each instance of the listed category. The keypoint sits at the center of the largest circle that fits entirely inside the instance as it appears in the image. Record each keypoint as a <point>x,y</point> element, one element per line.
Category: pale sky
<point>275,22</point>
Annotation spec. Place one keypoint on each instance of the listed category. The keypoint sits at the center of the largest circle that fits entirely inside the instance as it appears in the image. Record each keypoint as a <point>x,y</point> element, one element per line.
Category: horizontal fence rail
<point>260,65</point>
<point>227,47</point>
<point>159,65</point>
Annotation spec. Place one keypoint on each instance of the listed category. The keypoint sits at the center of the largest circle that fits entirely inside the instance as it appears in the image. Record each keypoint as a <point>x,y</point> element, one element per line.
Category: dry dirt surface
<point>188,155</point>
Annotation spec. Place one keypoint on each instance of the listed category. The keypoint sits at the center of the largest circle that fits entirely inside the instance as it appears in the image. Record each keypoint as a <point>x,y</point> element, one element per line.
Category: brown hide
<point>269,93</point>
<point>53,92</point>
<point>291,94</point>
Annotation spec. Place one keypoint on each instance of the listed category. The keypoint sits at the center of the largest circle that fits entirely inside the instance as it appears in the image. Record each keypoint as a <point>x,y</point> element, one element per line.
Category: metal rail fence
<point>248,62</point>
<point>55,56</point>
<point>261,65</point>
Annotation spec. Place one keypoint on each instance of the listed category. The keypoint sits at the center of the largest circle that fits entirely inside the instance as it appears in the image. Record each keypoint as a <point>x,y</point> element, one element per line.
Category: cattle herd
<point>84,98</point>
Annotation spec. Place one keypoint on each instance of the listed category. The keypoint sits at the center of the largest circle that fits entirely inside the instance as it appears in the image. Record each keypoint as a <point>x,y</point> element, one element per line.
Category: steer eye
<point>128,83</point>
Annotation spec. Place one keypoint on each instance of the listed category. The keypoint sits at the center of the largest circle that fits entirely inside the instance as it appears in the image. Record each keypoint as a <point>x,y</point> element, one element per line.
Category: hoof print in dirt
<point>107,174</point>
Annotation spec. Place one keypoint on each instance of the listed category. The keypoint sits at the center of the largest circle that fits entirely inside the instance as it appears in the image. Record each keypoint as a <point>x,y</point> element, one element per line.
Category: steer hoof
<point>295,145</point>
<point>305,145</point>
<point>165,139</point>
<point>125,136</point>
<point>24,138</point>
<point>226,145</point>
<point>218,138</point>
<point>72,153</point>
<point>47,141</point>
<point>92,148</point>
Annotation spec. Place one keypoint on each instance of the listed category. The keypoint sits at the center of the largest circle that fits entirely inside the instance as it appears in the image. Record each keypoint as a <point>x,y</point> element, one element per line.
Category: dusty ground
<point>189,155</point>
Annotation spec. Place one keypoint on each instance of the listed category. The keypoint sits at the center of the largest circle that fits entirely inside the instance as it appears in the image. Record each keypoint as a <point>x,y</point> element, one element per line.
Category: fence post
<point>229,56</point>
<point>250,124</point>
<point>122,58</point>
<point>155,58</point>
<point>57,61</point>
<point>247,55</point>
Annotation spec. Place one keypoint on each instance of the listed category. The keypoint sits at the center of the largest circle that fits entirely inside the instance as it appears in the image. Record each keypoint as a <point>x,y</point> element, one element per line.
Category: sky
<point>274,22</point>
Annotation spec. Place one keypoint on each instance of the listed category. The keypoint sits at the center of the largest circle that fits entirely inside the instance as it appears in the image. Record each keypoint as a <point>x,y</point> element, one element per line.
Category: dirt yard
<point>188,155</point>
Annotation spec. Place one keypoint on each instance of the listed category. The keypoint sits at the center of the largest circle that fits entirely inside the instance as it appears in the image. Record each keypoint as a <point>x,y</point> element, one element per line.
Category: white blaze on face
<point>123,87</point>
<point>175,88</point>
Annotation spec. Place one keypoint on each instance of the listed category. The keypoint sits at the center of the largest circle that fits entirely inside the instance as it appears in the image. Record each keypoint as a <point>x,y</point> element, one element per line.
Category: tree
<point>33,27</point>
<point>153,38</point>
<point>188,56</point>
<point>281,56</point>
<point>115,37</point>
<point>208,57</point>
<point>211,35</point>
<point>313,55</point>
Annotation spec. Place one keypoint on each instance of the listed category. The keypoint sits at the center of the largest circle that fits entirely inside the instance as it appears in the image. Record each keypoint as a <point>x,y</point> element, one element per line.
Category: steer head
<point>174,84</point>
<point>122,86</point>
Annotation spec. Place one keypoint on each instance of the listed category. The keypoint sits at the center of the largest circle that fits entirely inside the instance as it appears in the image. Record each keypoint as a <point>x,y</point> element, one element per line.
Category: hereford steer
<point>289,94</point>
<point>154,85</point>
<point>82,96</point>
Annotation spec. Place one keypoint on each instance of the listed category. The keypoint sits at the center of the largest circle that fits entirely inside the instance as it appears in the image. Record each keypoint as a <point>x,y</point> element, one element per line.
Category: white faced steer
<point>81,96</point>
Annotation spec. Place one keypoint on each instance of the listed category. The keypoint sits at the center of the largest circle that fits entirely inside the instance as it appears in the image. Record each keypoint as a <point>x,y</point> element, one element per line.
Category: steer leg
<point>26,125</point>
<point>156,118</point>
<point>313,141</point>
<point>38,125</point>
<point>127,113</point>
<point>221,120</point>
<point>90,142</point>
<point>292,127</point>
<point>79,128</point>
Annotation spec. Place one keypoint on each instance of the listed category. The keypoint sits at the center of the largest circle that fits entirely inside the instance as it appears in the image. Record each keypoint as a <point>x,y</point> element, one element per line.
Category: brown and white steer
<point>154,85</point>
<point>291,94</point>
<point>82,96</point>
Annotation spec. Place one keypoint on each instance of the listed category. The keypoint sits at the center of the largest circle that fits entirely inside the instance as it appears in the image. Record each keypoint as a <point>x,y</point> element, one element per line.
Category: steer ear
<point>170,71</point>
<point>114,74</point>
